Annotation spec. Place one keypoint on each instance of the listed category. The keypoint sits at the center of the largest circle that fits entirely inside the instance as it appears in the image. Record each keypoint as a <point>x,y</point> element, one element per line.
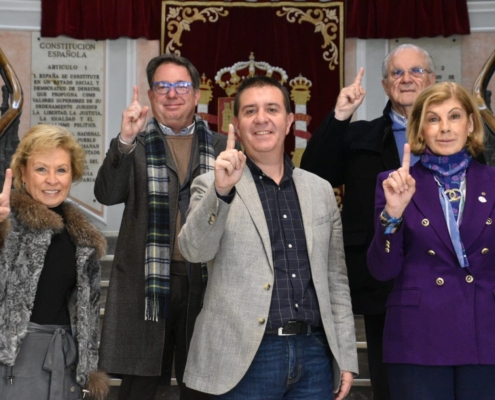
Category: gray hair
<point>429,61</point>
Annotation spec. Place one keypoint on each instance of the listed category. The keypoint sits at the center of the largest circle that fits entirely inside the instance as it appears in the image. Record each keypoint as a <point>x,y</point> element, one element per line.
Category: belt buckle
<point>281,333</point>
<point>280,330</point>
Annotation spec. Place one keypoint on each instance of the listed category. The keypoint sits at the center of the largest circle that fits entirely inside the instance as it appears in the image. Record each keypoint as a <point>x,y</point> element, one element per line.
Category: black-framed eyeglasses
<point>415,72</point>
<point>180,87</point>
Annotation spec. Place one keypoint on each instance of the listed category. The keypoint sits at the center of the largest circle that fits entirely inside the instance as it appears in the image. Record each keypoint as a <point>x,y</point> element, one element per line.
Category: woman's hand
<point>5,196</point>
<point>399,187</point>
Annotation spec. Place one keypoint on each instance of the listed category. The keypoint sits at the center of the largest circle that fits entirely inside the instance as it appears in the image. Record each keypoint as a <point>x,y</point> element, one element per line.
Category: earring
<point>421,140</point>
<point>470,134</point>
<point>23,185</point>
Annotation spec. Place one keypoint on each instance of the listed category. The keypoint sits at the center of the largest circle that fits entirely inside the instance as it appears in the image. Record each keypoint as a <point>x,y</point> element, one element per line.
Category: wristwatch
<point>389,223</point>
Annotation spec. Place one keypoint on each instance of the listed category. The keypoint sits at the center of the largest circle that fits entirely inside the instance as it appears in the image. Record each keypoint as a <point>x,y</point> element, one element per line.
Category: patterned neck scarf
<point>450,174</point>
<point>157,257</point>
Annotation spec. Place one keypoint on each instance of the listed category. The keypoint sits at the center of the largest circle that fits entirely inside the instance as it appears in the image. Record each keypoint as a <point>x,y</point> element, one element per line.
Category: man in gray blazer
<point>276,321</point>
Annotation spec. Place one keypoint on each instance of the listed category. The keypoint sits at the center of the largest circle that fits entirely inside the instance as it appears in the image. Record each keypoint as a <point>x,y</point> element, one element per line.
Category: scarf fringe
<point>153,311</point>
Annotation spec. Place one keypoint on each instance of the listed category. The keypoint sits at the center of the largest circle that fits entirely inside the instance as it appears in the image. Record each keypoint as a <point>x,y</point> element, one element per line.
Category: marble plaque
<point>446,54</point>
<point>68,90</point>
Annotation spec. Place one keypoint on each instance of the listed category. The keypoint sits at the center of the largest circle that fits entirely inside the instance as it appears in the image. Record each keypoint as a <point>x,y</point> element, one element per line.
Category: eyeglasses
<point>414,72</point>
<point>180,87</point>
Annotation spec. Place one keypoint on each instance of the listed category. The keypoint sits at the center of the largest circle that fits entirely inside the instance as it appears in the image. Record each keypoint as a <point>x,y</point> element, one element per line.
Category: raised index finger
<point>7,184</point>
<point>231,138</point>
<point>359,77</point>
<point>135,95</point>
<point>406,161</point>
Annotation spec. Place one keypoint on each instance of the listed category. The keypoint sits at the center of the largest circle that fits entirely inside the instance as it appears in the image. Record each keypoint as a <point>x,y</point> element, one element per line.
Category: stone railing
<point>10,114</point>
<point>482,96</point>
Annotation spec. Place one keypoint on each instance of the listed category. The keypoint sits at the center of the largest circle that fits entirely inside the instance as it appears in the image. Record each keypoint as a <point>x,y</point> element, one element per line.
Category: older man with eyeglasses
<point>154,295</point>
<point>353,154</point>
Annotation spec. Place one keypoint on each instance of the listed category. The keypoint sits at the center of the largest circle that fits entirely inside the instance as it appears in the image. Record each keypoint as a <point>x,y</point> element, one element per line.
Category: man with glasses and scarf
<point>154,295</point>
<point>353,154</point>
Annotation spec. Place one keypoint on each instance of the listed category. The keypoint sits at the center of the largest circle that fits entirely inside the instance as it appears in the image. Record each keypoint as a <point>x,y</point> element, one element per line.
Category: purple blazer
<point>438,312</point>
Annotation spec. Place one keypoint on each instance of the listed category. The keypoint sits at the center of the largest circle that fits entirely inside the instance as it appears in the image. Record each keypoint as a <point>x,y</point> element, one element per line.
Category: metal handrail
<point>15,89</point>
<point>479,91</point>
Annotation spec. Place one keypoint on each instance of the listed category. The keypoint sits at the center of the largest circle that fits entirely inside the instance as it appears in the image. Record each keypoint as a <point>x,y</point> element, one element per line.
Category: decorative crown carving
<point>206,90</point>
<point>241,70</point>
<point>300,92</point>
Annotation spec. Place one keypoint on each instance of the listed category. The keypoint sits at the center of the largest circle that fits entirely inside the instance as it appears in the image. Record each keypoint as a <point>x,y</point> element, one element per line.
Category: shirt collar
<point>256,171</point>
<point>399,119</point>
<point>188,130</point>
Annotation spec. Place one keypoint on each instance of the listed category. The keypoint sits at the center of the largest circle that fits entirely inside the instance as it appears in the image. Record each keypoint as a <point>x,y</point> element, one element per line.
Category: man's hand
<point>229,166</point>
<point>133,119</point>
<point>345,385</point>
<point>5,196</point>
<point>399,187</point>
<point>350,98</point>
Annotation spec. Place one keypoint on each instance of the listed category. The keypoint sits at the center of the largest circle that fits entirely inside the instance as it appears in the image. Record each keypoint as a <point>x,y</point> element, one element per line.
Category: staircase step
<point>106,266</point>
<point>357,382</point>
<point>117,382</point>
<point>111,244</point>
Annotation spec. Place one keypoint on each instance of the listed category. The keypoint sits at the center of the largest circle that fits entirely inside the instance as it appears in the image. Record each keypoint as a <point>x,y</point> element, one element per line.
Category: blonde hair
<point>47,137</point>
<point>438,93</point>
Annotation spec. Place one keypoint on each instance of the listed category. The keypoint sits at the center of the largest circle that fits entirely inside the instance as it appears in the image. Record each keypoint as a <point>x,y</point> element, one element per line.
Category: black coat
<point>353,154</point>
<point>129,344</point>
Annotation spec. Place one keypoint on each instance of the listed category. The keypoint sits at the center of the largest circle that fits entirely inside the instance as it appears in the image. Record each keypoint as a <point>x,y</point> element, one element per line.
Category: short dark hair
<point>172,59</point>
<point>261,81</point>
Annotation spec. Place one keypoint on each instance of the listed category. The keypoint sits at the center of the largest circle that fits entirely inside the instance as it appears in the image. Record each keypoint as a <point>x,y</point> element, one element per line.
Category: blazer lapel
<point>480,199</point>
<point>248,193</point>
<point>305,205</point>
<point>427,201</point>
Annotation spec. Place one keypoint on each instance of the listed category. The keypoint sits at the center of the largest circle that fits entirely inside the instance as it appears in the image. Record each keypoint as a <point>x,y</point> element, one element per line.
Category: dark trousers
<point>421,382</point>
<point>374,325</point>
<point>174,351</point>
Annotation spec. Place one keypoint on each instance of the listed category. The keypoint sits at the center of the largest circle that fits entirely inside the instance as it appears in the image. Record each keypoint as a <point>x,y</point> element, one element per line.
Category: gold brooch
<point>453,194</point>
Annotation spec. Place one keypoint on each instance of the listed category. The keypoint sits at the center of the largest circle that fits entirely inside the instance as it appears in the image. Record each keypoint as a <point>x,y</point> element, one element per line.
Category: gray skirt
<point>45,367</point>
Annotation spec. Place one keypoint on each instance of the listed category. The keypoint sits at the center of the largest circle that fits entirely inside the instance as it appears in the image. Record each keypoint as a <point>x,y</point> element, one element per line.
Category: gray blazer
<point>234,239</point>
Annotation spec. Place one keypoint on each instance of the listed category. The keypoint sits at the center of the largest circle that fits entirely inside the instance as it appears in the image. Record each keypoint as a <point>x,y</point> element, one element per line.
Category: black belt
<point>294,328</point>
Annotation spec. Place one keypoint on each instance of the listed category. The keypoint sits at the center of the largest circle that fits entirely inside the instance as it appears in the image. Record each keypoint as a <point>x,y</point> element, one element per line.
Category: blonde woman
<point>49,275</point>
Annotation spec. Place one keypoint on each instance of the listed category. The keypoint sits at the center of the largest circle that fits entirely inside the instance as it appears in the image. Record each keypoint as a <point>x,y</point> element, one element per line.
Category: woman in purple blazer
<point>435,236</point>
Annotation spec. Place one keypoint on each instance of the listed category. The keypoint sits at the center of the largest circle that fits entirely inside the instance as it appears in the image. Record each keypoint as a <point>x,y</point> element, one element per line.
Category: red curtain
<point>101,19</point>
<point>366,19</point>
<point>388,19</point>
<point>303,38</point>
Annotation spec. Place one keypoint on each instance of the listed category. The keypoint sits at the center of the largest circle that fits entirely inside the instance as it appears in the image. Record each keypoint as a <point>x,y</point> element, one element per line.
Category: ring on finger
<point>390,175</point>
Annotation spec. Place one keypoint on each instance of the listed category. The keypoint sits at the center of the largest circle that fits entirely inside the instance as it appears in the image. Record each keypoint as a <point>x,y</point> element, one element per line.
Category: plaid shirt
<point>294,296</point>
